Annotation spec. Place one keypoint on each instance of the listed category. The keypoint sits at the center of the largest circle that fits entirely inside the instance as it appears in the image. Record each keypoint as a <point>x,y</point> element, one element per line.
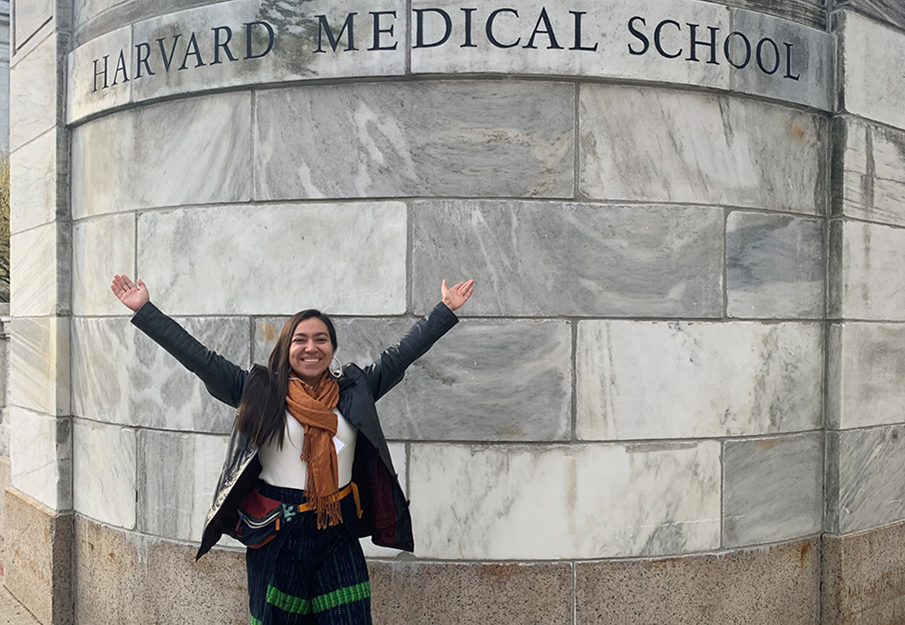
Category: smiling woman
<point>308,469</point>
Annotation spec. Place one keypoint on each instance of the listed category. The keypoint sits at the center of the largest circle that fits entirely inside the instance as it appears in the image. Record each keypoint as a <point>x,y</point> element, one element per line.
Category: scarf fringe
<point>329,511</point>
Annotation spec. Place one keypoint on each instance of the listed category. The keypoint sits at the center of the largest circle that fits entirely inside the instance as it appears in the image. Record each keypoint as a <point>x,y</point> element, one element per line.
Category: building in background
<point>676,396</point>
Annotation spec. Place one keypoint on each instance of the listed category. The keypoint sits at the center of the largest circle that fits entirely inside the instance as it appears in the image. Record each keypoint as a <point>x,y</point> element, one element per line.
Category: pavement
<point>12,612</point>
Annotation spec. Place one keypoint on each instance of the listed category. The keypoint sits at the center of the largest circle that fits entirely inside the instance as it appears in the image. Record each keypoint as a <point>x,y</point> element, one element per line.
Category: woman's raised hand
<point>456,295</point>
<point>134,297</point>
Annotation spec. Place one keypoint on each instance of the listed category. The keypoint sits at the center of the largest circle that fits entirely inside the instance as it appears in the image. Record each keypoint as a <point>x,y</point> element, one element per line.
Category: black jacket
<point>385,510</point>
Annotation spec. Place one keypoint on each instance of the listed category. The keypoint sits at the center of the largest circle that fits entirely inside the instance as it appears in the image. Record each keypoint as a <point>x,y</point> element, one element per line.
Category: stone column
<point>864,568</point>
<point>38,506</point>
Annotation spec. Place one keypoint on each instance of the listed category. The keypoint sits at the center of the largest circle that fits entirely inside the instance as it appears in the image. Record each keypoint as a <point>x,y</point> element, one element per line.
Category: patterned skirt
<point>306,575</point>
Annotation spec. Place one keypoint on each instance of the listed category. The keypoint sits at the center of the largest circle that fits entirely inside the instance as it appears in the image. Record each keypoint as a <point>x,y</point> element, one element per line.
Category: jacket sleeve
<point>389,369</point>
<point>223,379</point>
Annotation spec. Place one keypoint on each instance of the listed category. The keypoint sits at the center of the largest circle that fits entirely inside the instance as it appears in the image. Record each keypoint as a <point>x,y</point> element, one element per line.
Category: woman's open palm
<point>133,296</point>
<point>457,295</point>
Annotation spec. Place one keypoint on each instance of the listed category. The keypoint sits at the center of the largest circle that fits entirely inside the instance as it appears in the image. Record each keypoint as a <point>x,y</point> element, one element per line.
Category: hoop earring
<point>338,371</point>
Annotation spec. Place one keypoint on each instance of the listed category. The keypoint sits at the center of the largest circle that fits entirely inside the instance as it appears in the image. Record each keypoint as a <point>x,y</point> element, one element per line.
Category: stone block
<point>871,59</point>
<point>85,10</point>
<point>361,272</point>
<point>865,478</point>
<point>551,259</point>
<point>40,271</point>
<point>447,593</point>
<point>809,12</point>
<point>602,24</point>
<point>641,144</point>
<point>101,248</point>
<point>30,17</point>
<point>38,567</point>
<point>864,577</point>
<point>39,190</point>
<point>867,272</point>
<point>85,90</point>
<point>383,140</point>
<point>774,266</point>
<point>869,172</point>
<point>104,466</point>
<point>195,151</point>
<point>121,376</point>
<point>655,380</point>
<point>486,381</point>
<point>173,508</point>
<point>888,11</point>
<point>865,370</point>
<point>772,489</point>
<point>495,502</point>
<point>39,364</point>
<point>765,586</point>
<point>34,106</point>
<point>798,66</point>
<point>41,457</point>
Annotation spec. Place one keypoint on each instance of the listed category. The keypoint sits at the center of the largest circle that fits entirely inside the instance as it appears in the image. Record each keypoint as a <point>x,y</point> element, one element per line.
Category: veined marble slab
<point>41,457</point>
<point>39,364</point>
<point>177,477</point>
<point>386,140</point>
<point>772,489</point>
<point>559,502</point>
<point>40,271</point>
<point>100,249</point>
<point>251,42</point>
<point>103,475</point>
<point>641,144</point>
<point>38,190</point>
<point>120,376</point>
<point>30,17</point>
<point>34,105</point>
<point>872,56</point>
<point>546,259</point>
<point>865,375</point>
<point>867,272</point>
<point>866,478</point>
<point>870,173</point>
<point>195,151</point>
<point>506,380</point>
<point>345,258</point>
<point>656,380</point>
<point>774,266</point>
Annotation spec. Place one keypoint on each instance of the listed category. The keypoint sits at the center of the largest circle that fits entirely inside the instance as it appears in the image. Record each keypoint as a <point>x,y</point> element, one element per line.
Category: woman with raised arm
<point>308,470</point>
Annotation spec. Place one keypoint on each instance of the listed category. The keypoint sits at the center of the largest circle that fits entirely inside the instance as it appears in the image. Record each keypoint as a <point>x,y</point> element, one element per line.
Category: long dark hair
<point>262,409</point>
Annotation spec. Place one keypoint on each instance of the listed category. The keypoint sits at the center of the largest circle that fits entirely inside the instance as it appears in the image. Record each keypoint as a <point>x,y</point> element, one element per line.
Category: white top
<point>285,467</point>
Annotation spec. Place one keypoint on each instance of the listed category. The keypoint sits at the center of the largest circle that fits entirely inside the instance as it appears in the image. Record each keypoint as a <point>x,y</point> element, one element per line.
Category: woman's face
<point>310,351</point>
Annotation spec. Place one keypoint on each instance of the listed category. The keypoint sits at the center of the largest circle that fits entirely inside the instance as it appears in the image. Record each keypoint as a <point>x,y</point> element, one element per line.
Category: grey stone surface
<point>862,577</point>
<point>775,266</point>
<point>38,181</point>
<point>447,593</point>
<point>104,472</point>
<point>809,12</point>
<point>772,489</point>
<point>177,476</point>
<point>804,70</point>
<point>871,59</point>
<point>766,586</point>
<point>642,144</point>
<point>120,376</point>
<point>85,90</point>
<point>656,380</point>
<point>100,249</point>
<point>39,364</point>
<point>869,171</point>
<point>384,140</point>
<point>865,370</point>
<point>349,259</point>
<point>40,269</point>
<point>493,502</point>
<point>195,151</point>
<point>890,11</point>
<point>41,457</point>
<point>533,259</point>
<point>34,103</point>
<point>30,16</point>
<point>865,478</point>
<point>867,272</point>
<point>486,380</point>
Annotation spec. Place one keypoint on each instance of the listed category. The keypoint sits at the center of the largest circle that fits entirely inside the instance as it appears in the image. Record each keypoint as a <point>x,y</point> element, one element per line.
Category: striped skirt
<point>306,575</point>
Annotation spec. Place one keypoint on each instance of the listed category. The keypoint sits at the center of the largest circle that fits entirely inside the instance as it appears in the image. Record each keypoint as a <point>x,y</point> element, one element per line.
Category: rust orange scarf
<point>313,408</point>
